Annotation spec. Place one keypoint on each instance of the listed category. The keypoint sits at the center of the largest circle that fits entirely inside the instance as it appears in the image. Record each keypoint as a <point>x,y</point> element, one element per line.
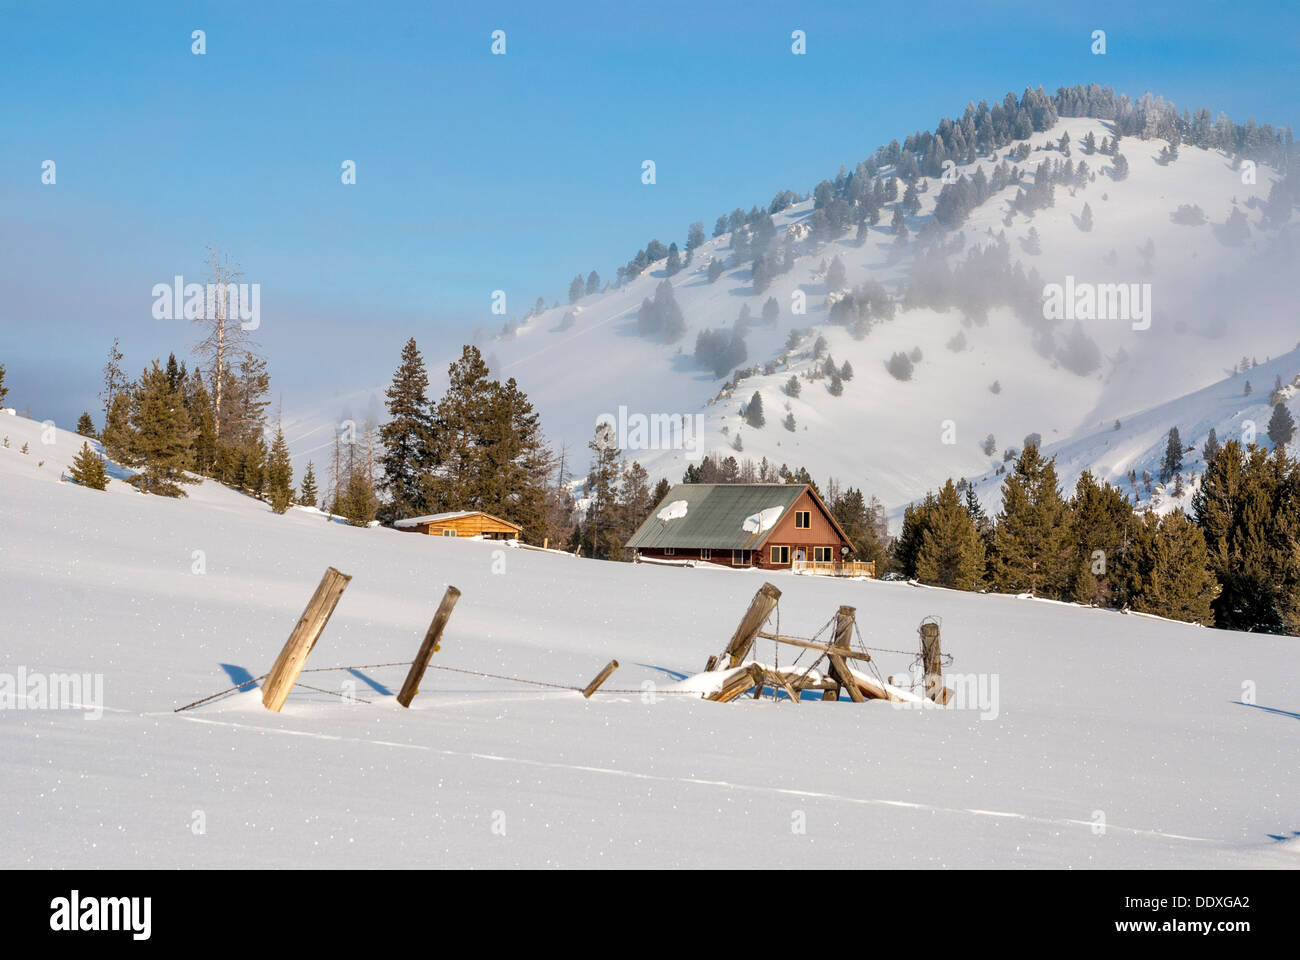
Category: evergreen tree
<point>1171,576</point>
<point>88,470</point>
<point>407,438</point>
<point>461,417</point>
<point>1085,219</point>
<point>307,496</point>
<point>836,276</point>
<point>660,491</point>
<point>359,502</point>
<point>846,371</point>
<point>674,264</point>
<point>916,521</point>
<point>715,269</point>
<point>576,289</point>
<point>279,473</point>
<point>85,426</point>
<point>1173,459</point>
<point>1102,527</point>
<point>836,386</point>
<point>4,391</point>
<point>792,386</point>
<point>1248,508</point>
<point>118,436</point>
<point>951,553</point>
<point>634,502</point>
<point>517,463</point>
<point>593,283</point>
<point>1281,427</point>
<point>1211,448</point>
<point>754,411</point>
<point>204,446</point>
<point>160,444</point>
<point>253,466</point>
<point>1120,169</point>
<point>1031,538</point>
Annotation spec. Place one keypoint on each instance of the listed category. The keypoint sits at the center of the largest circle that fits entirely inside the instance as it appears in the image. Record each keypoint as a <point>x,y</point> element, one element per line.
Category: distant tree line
<point>1231,564</point>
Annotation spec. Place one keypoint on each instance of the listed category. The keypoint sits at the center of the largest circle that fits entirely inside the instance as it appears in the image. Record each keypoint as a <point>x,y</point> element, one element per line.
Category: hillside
<point>1213,302</point>
<point>1133,720</point>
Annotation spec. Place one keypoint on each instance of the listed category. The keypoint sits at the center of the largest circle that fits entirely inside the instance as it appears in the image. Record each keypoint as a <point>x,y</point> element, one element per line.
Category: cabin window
<point>802,519</point>
<point>705,553</point>
<point>822,554</point>
<point>449,533</point>
<point>739,558</point>
<point>669,551</point>
<point>780,554</point>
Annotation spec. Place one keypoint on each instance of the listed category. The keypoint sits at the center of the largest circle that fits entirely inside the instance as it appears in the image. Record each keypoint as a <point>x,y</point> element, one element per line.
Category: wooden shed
<point>462,523</point>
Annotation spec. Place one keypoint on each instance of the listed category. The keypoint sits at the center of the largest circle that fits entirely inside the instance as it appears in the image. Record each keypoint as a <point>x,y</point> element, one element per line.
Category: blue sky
<point>477,172</point>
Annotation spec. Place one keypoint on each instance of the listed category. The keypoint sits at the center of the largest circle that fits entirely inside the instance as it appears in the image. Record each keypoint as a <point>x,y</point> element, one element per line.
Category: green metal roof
<point>715,515</point>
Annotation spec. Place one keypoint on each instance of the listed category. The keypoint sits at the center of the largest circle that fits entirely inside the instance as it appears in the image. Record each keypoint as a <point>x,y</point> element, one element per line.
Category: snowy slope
<point>1139,443</point>
<point>1212,304</point>
<point>1097,714</point>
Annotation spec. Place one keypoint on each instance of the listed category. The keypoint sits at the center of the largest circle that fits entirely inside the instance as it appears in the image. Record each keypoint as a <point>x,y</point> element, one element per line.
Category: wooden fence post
<point>760,608</point>
<point>932,657</point>
<point>839,669</point>
<point>600,678</point>
<point>294,655</point>
<point>421,662</point>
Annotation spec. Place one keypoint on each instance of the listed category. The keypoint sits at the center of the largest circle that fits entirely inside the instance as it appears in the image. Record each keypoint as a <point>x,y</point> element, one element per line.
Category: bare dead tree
<point>225,340</point>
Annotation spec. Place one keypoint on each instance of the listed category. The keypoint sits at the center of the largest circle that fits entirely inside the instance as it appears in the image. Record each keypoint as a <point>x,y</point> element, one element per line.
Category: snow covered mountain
<point>1212,300</point>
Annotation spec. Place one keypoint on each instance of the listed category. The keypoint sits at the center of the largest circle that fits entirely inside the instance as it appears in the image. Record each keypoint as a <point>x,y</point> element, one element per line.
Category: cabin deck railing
<point>835,568</point>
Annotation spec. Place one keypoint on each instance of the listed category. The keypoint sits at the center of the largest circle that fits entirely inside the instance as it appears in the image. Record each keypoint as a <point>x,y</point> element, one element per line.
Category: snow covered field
<point>1098,715</point>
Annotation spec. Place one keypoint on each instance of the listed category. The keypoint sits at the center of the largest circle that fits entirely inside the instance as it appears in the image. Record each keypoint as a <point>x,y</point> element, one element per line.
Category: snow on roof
<point>434,518</point>
<point>763,520</point>
<point>674,511</point>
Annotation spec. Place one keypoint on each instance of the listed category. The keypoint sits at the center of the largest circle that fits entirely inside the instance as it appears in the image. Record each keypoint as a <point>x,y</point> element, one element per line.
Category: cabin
<point>462,523</point>
<point>773,526</point>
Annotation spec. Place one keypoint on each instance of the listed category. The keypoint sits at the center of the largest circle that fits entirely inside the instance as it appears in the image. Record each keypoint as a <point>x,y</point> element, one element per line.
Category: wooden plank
<point>760,608</point>
<point>784,684</point>
<point>841,671</point>
<point>822,647</point>
<point>737,685</point>
<point>431,637</point>
<point>600,678</point>
<point>293,656</point>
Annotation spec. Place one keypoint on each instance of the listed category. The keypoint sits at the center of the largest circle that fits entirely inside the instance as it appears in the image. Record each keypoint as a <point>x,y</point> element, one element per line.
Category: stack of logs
<point>837,652</point>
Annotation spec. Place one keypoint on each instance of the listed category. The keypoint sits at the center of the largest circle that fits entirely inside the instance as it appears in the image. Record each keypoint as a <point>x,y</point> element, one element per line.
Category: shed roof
<point>715,515</point>
<point>453,515</point>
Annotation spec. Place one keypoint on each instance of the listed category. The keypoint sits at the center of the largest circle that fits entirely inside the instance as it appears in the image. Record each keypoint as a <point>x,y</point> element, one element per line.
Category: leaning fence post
<point>760,608</point>
<point>600,678</point>
<point>294,655</point>
<point>421,662</point>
